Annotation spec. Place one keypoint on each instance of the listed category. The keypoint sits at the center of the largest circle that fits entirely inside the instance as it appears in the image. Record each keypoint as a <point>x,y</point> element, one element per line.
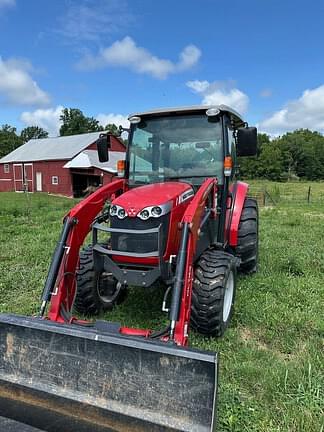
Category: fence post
<point>264,196</point>
<point>309,194</point>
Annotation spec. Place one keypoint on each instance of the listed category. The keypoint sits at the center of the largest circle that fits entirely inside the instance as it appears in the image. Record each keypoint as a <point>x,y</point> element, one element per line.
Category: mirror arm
<point>122,129</point>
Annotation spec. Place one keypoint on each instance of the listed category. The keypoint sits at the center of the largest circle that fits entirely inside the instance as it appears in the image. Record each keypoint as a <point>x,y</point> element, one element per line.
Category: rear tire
<point>96,292</point>
<point>248,238</point>
<point>213,293</point>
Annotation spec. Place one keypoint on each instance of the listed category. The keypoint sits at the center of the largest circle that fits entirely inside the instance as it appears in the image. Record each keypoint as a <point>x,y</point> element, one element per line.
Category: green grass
<point>271,358</point>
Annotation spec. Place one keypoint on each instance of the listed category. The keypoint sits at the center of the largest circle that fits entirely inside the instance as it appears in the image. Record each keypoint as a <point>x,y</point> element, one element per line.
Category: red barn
<point>65,165</point>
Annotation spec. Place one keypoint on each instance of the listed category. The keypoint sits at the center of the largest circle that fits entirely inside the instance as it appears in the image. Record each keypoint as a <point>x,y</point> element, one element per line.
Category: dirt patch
<point>246,334</point>
<point>249,337</point>
<point>252,338</point>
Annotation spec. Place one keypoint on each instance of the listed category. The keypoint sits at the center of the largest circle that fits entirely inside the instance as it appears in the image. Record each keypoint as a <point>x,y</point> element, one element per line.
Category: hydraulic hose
<point>178,283</point>
<point>55,264</point>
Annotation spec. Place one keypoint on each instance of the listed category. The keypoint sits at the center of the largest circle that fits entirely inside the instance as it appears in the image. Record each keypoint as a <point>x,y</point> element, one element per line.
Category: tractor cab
<point>182,144</point>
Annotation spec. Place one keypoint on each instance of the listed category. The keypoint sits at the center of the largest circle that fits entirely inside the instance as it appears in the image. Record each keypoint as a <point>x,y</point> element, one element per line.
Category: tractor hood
<point>157,194</point>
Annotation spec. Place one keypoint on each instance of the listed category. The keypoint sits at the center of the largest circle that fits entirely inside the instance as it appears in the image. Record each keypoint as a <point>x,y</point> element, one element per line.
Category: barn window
<point>6,168</point>
<point>54,180</point>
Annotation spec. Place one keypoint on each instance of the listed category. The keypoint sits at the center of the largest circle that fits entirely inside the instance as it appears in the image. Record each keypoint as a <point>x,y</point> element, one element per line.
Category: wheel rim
<point>228,296</point>
<point>107,288</point>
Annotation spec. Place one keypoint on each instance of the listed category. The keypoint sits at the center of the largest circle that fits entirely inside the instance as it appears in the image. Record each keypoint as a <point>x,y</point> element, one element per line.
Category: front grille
<point>139,243</point>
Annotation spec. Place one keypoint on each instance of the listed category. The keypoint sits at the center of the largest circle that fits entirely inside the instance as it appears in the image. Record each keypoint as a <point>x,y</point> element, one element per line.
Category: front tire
<point>213,293</point>
<point>96,292</point>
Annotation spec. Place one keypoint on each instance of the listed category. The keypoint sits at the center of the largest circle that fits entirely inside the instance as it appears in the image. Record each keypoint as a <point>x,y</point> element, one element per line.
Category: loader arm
<point>193,219</point>
<point>79,220</point>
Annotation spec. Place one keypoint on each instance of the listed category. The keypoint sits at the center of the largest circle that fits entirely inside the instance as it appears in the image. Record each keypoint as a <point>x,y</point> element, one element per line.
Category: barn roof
<point>65,147</point>
<point>89,159</point>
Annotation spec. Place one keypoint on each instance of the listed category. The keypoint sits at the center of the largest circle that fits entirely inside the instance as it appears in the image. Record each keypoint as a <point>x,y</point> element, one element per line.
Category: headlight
<point>116,210</point>
<point>156,211</point>
<point>113,210</point>
<point>144,214</point>
<point>121,213</point>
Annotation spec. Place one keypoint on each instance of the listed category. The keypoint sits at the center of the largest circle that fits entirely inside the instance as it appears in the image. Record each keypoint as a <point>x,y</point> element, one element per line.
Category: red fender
<point>239,191</point>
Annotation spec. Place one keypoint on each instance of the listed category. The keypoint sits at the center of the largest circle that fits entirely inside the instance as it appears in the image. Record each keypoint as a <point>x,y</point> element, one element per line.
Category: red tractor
<point>176,216</point>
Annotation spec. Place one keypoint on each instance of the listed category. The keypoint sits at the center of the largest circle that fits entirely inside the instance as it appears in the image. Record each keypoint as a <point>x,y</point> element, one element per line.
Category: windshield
<point>176,147</point>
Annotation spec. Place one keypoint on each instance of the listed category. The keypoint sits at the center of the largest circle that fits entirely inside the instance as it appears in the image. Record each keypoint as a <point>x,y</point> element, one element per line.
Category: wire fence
<point>272,196</point>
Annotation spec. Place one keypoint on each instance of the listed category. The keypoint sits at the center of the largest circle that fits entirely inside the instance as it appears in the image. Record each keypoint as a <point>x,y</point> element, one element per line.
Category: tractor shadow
<point>142,308</point>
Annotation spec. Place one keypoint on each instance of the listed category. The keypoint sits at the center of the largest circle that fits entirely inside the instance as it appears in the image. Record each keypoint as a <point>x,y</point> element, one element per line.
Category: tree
<point>33,132</point>
<point>298,154</point>
<point>270,162</point>
<point>303,154</point>
<point>9,140</point>
<point>75,122</point>
<point>112,128</point>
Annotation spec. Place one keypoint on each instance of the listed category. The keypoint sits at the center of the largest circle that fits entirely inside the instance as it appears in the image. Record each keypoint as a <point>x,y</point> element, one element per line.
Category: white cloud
<point>125,53</point>
<point>219,92</point>
<point>117,119</point>
<point>198,86</point>
<point>90,20</point>
<point>17,86</point>
<point>305,112</point>
<point>48,119</point>
<point>7,3</point>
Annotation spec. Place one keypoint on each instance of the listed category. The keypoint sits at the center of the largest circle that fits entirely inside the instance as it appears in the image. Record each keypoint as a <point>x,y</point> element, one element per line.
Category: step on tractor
<point>174,216</point>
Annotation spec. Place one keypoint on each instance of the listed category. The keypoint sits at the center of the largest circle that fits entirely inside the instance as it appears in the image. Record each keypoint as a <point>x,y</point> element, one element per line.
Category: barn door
<point>18,177</point>
<point>39,185</point>
<point>28,177</point>
<point>23,177</point>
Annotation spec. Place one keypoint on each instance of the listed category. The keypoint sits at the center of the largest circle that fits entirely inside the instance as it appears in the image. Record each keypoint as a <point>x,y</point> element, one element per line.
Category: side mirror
<point>103,144</point>
<point>247,141</point>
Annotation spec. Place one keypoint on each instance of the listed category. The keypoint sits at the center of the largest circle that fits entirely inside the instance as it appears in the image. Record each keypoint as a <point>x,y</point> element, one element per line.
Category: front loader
<point>176,217</point>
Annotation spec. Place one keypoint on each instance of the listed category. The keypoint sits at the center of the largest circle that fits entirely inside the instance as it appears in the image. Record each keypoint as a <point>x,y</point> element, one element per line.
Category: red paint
<point>240,190</point>
<point>116,145</point>
<point>129,331</point>
<point>6,179</point>
<point>136,199</point>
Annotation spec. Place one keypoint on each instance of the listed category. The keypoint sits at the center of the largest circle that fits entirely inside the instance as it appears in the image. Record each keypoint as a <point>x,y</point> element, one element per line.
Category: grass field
<point>272,361</point>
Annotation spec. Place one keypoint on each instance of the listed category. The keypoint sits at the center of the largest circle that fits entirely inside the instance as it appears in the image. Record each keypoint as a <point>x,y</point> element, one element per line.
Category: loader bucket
<point>69,378</point>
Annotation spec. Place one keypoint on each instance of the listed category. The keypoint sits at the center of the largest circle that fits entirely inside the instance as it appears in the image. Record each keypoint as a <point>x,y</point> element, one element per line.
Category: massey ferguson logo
<point>132,211</point>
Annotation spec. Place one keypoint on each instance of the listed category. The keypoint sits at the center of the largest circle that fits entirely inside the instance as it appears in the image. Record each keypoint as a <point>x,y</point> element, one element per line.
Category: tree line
<point>294,155</point>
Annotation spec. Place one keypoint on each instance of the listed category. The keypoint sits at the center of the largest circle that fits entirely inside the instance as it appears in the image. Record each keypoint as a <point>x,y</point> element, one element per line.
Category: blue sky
<point>112,57</point>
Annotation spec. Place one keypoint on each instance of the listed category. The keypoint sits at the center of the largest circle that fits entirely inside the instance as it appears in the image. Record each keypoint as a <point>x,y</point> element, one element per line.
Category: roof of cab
<point>194,109</point>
